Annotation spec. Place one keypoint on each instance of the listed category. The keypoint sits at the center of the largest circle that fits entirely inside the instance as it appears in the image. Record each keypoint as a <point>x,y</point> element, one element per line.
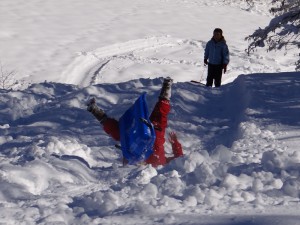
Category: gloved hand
<point>225,67</point>
<point>172,137</point>
<point>205,62</point>
<point>176,146</point>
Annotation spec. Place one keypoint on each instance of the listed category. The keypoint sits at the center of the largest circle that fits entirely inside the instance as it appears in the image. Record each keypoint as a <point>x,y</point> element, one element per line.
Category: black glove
<point>225,67</point>
<point>205,62</point>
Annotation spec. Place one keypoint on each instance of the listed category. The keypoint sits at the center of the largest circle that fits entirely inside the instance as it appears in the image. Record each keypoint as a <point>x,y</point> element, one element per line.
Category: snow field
<point>75,49</point>
<point>57,166</point>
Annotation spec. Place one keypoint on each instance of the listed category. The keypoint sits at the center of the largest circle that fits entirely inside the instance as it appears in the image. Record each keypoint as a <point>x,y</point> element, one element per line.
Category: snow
<point>241,158</point>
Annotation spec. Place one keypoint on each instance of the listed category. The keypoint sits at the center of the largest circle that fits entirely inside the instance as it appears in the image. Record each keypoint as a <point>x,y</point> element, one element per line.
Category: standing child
<point>216,55</point>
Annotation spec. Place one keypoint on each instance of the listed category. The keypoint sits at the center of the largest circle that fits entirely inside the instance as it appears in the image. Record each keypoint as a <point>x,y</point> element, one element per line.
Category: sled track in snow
<point>88,66</point>
<point>98,71</point>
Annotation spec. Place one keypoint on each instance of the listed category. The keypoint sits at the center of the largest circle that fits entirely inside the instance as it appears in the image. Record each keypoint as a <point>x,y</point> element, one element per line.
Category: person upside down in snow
<point>158,118</point>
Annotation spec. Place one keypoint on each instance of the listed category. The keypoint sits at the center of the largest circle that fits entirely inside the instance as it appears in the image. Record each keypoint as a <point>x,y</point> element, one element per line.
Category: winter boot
<point>165,92</point>
<point>98,113</point>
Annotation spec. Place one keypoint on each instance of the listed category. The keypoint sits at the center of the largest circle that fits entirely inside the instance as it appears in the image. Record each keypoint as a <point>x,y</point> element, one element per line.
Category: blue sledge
<point>137,133</point>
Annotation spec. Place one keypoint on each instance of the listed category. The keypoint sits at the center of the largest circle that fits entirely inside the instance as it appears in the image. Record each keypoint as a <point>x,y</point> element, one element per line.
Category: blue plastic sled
<point>137,132</point>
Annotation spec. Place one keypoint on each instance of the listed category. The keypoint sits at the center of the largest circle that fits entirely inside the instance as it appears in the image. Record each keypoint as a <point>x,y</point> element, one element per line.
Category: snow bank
<point>56,150</point>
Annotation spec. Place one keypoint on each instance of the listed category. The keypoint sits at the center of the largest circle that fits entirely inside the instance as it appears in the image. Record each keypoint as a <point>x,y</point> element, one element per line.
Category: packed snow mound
<point>240,152</point>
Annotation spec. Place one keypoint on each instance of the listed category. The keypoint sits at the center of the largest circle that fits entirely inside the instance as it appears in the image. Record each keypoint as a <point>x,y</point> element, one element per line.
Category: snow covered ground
<point>75,42</point>
<point>241,142</point>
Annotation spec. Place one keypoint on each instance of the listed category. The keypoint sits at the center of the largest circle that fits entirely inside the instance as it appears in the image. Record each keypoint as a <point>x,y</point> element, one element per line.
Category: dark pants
<point>214,74</point>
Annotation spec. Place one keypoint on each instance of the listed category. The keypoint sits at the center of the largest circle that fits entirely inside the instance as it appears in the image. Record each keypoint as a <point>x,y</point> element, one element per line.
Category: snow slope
<point>241,163</point>
<point>72,41</point>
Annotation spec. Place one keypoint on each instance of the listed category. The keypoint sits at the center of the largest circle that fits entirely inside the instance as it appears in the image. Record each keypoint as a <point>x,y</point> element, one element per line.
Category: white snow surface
<point>241,163</point>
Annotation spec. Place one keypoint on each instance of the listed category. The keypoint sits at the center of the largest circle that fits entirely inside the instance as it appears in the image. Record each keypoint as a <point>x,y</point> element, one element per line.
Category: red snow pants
<point>159,119</point>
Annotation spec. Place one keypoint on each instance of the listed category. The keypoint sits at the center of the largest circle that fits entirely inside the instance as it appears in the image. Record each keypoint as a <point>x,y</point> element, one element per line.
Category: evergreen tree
<point>283,30</point>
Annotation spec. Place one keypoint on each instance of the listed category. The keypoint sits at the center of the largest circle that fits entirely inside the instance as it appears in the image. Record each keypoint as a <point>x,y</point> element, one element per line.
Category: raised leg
<point>159,119</point>
<point>110,125</point>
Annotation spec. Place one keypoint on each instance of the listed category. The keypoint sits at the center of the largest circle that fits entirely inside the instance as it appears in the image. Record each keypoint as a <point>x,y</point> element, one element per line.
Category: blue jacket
<point>216,52</point>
